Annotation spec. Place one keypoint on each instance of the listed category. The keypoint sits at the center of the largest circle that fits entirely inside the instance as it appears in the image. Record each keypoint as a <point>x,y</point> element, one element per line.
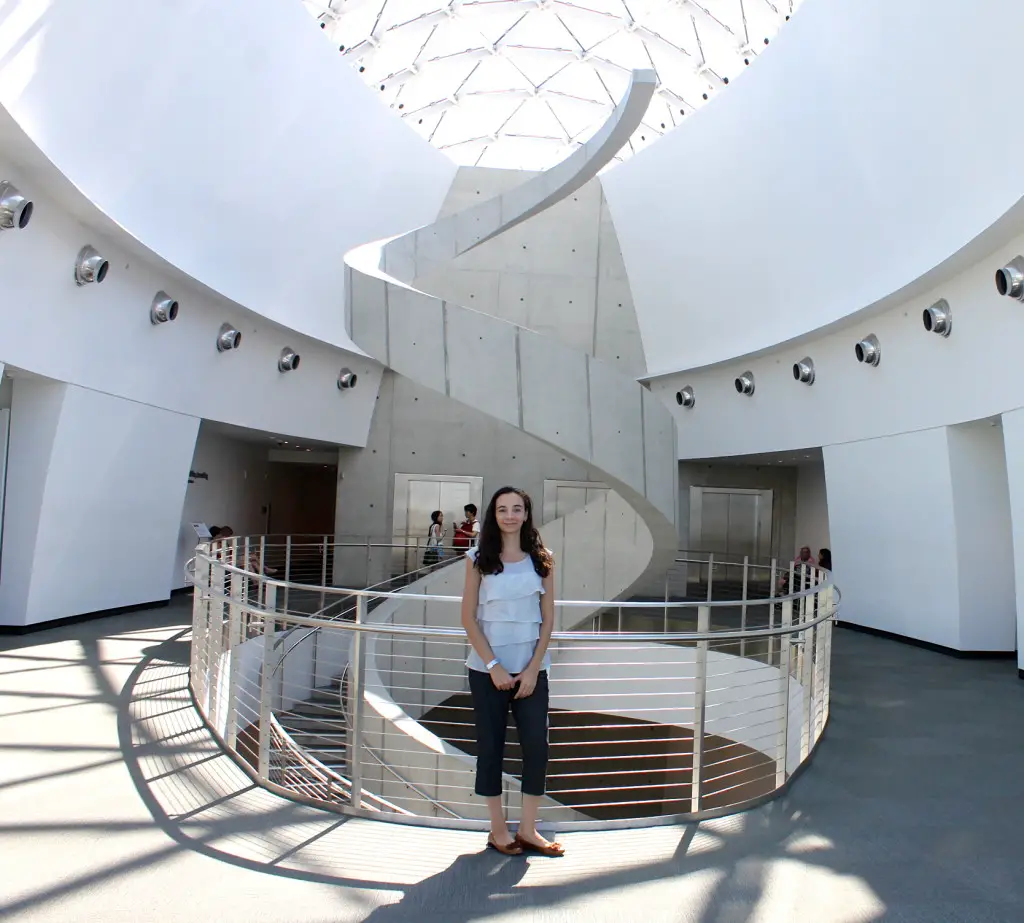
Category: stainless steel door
<point>731,523</point>
<point>418,495</point>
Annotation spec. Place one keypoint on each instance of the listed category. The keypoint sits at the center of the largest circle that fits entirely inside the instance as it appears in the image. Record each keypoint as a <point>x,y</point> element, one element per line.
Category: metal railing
<point>661,710</point>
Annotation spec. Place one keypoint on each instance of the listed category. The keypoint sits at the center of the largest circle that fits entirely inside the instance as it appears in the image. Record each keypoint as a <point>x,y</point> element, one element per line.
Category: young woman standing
<point>508,611</point>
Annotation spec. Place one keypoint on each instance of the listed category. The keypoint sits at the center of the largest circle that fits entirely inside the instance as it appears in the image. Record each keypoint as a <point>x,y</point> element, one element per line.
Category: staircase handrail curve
<point>625,434</point>
<point>574,635</point>
<point>345,784</point>
<point>429,569</point>
<point>562,603</point>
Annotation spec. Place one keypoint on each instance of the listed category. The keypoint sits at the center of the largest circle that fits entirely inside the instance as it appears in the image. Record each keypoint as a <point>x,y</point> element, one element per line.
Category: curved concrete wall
<point>100,337</point>
<point>923,380</point>
<point>871,142</point>
<point>226,135</point>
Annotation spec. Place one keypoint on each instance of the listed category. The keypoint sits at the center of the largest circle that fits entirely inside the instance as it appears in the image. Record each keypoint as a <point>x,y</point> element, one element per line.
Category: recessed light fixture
<point>804,370</point>
<point>1010,279</point>
<point>745,383</point>
<point>685,397</point>
<point>15,209</point>
<point>163,309</point>
<point>938,318</point>
<point>228,337</point>
<point>90,266</point>
<point>868,350</point>
<point>288,361</point>
<point>347,379</point>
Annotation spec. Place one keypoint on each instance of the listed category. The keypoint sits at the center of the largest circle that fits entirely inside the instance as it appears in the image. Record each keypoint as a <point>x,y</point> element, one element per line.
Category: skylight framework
<point>523,83</point>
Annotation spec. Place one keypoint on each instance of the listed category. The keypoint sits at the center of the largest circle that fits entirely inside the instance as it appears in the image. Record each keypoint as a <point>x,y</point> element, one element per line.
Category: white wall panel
<point>984,537</point>
<point>847,162</point>
<point>1013,443</point>
<point>95,490</point>
<point>257,156</point>
<point>923,381</point>
<point>894,545</point>
<point>811,508</point>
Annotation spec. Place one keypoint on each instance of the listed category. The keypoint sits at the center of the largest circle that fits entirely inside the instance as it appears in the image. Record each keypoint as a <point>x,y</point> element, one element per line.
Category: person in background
<point>435,539</point>
<point>467,532</point>
<point>825,559</point>
<point>219,533</point>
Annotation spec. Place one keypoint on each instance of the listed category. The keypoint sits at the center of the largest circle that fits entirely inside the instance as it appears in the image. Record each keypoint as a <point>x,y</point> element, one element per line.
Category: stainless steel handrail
<point>232,626</point>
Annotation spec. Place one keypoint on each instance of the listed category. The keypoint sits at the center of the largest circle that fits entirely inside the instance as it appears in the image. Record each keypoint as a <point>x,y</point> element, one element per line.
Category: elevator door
<point>731,523</point>
<point>418,495</point>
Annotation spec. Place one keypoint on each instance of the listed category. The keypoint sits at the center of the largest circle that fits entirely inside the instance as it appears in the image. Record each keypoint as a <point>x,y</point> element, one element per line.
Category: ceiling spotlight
<point>686,397</point>
<point>288,360</point>
<point>938,318</point>
<point>804,370</point>
<point>745,383</point>
<point>1010,279</point>
<point>868,350</point>
<point>228,338</point>
<point>163,309</point>
<point>347,379</point>
<point>90,266</point>
<point>15,209</point>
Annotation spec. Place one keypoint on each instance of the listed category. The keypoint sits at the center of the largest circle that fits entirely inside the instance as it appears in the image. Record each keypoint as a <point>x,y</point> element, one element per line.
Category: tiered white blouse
<point>509,615</point>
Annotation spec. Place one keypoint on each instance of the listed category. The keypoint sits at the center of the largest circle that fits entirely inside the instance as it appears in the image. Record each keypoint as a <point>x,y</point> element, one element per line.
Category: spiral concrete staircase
<point>564,397</point>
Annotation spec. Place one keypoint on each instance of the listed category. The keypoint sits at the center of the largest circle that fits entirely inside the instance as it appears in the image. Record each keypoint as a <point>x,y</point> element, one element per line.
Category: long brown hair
<point>488,557</point>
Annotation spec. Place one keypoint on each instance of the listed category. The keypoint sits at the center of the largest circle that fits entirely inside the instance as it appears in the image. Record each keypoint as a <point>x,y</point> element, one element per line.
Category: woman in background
<point>435,539</point>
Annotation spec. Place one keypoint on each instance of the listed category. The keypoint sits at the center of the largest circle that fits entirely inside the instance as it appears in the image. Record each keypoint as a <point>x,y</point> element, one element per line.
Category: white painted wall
<point>100,337</point>
<point>808,191</point>
<point>893,534</point>
<point>811,508</point>
<point>257,156</point>
<point>984,537</point>
<point>94,493</point>
<point>236,493</point>
<point>1013,444</point>
<point>923,381</point>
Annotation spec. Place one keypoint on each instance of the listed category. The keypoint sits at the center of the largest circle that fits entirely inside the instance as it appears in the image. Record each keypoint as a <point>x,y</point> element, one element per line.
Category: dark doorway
<point>302,498</point>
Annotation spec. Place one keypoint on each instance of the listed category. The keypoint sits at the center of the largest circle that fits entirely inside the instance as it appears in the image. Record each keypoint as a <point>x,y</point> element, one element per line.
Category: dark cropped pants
<point>490,709</point>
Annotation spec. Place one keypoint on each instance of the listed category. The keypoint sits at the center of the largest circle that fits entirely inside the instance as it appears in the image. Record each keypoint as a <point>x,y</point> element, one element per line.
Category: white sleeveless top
<point>509,615</point>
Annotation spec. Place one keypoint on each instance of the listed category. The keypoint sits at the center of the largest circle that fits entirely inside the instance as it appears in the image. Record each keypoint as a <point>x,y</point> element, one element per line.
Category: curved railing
<point>662,711</point>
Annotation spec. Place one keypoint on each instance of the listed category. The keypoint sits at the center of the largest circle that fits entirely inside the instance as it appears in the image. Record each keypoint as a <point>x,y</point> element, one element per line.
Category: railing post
<point>743,606</point>
<point>368,581</point>
<point>619,629</point>
<point>711,571</point>
<point>700,683</point>
<point>263,564</point>
<point>771,608</point>
<point>239,589</point>
<point>287,569</point>
<point>266,679</point>
<point>355,698</point>
<point>782,744</point>
<point>664,626</point>
<point>323,574</point>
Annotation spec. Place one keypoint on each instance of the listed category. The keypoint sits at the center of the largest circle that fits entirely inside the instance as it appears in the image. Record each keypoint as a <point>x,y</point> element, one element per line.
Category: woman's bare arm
<point>528,678</point>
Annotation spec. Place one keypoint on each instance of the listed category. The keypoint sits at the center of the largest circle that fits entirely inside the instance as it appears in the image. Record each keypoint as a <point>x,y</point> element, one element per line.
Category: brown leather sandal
<point>509,849</point>
<point>552,850</point>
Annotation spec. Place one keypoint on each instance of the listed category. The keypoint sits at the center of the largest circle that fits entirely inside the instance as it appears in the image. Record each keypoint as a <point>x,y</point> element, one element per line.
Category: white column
<point>1013,444</point>
<point>921,535</point>
<point>893,533</point>
<point>95,486</point>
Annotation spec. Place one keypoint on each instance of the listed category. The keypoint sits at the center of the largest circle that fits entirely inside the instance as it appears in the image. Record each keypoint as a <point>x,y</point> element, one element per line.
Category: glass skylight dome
<point>522,83</point>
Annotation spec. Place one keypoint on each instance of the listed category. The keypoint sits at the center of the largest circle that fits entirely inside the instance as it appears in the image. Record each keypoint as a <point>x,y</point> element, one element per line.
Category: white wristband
<point>493,664</point>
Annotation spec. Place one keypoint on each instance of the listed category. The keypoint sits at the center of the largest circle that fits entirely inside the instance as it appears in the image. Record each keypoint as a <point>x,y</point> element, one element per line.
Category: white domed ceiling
<point>522,83</point>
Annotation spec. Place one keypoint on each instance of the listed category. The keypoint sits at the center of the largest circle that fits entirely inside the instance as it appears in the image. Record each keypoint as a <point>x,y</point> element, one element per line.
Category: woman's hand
<point>527,682</point>
<point>501,678</point>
